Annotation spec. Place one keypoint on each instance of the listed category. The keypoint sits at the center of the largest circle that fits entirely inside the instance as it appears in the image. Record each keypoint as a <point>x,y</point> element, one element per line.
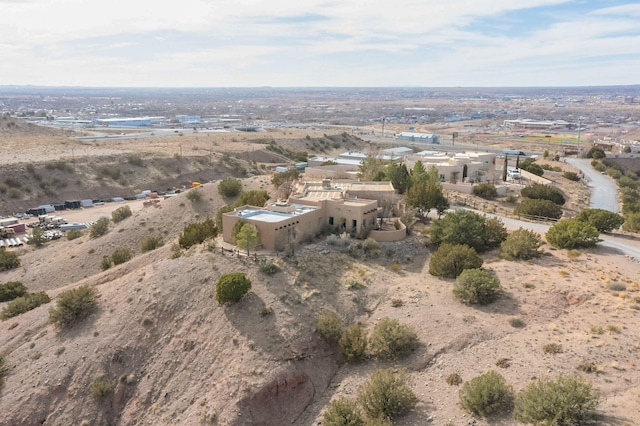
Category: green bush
<point>451,259</point>
<point>387,394</point>
<point>342,412</point>
<point>631,222</point>
<point>566,400</point>
<point>485,190</point>
<point>197,232</point>
<point>521,244</point>
<point>541,208</point>
<point>571,176</point>
<point>229,187</point>
<point>330,326</point>
<point>392,340</point>
<point>135,160</point>
<point>470,228</point>
<point>268,268</point>
<point>120,214</point>
<point>101,387</point>
<point>529,165</point>
<point>194,195</point>
<point>24,304</point>
<point>74,305</point>
<point>105,263</point>
<point>151,242</point>
<point>3,370</point>
<point>231,287</point>
<point>602,220</point>
<point>538,191</point>
<point>219,213</point>
<point>477,287</point>
<point>596,153</point>
<point>121,255</point>
<point>8,259</point>
<point>255,197</point>
<point>99,228</point>
<point>571,234</point>
<point>37,237</point>
<point>371,248</point>
<point>486,394</point>
<point>74,234</point>
<point>353,343</point>
<point>12,289</point>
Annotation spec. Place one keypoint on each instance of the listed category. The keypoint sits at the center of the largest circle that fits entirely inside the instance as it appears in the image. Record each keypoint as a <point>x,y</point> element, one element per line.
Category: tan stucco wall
<point>388,236</point>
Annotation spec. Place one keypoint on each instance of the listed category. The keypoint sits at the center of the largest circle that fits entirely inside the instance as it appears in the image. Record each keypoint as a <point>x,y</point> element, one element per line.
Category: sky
<point>319,43</point>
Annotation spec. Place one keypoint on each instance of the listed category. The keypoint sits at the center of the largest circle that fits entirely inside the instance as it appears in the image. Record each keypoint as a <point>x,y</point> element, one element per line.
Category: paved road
<point>604,191</point>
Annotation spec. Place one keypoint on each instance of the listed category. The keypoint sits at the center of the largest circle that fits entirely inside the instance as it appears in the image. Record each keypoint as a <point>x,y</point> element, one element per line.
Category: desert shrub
<point>152,242</point>
<point>602,220</point>
<point>3,370</point>
<point>37,237</point>
<point>99,228</point>
<point>552,348</point>
<point>120,214</point>
<point>101,387</point>
<point>542,208</point>
<point>197,232</point>
<point>135,160</point>
<point>470,228</point>
<point>219,213</point>
<point>194,195</point>
<point>229,187</point>
<point>485,190</point>
<point>538,191</point>
<point>237,227</point>
<point>105,263</point>
<point>451,259</point>
<point>572,233</point>
<point>454,379</point>
<point>565,400</point>
<point>255,197</point>
<point>268,268</point>
<point>353,343</point>
<point>486,394</point>
<point>74,305</point>
<point>74,234</point>
<point>476,286</point>
<point>342,412</point>
<point>596,153</point>
<point>24,304</point>
<point>231,287</point>
<point>12,289</point>
<point>392,340</point>
<point>8,259</point>
<point>371,248</point>
<point>571,176</point>
<point>121,255</point>
<point>330,326</point>
<point>59,165</point>
<point>387,394</point>
<point>531,166</point>
<point>631,222</point>
<point>521,244</point>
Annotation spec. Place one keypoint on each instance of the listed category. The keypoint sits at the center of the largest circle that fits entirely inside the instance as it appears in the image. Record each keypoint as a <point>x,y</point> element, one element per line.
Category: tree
<point>387,394</point>
<point>418,174</point>
<point>539,191</point>
<point>565,400</point>
<point>342,412</point>
<point>392,340</point>
<point>470,228</point>
<point>398,175</point>
<point>521,244</point>
<point>631,222</point>
<point>542,208</point>
<point>596,153</point>
<point>371,169</point>
<point>602,220</point>
<point>37,237</point>
<point>255,197</point>
<point>425,191</point>
<point>571,234</point>
<point>229,187</point>
<point>529,164</point>
<point>486,394</point>
<point>451,259</point>
<point>476,287</point>
<point>247,238</point>
<point>197,232</point>
<point>231,287</point>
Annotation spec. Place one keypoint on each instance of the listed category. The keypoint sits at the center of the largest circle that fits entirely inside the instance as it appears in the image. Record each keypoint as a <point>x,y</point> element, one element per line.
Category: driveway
<point>604,190</point>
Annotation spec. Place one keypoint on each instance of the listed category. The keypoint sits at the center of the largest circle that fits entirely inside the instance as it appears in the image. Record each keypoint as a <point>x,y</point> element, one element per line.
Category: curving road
<point>604,191</point>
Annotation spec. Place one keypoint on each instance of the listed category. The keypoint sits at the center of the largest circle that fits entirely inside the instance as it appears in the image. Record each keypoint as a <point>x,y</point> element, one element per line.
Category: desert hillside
<point>172,355</point>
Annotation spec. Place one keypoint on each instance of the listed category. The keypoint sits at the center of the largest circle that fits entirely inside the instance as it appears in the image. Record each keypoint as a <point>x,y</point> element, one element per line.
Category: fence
<point>487,207</point>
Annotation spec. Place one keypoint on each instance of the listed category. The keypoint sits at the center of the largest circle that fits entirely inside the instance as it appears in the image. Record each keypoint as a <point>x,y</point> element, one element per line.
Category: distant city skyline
<point>249,43</point>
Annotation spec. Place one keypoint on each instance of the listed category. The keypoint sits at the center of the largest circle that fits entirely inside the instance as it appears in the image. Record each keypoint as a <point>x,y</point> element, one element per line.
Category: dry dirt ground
<point>174,356</point>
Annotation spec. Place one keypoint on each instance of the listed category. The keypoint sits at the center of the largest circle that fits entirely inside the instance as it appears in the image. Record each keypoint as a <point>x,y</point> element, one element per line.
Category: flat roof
<point>270,216</point>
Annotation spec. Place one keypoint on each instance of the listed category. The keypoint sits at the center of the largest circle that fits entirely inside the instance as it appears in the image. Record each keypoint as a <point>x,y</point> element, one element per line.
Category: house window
<point>330,220</point>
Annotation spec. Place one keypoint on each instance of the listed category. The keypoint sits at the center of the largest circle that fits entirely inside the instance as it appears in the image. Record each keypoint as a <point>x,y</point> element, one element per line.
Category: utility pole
<point>383,127</point>
<point>579,131</point>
